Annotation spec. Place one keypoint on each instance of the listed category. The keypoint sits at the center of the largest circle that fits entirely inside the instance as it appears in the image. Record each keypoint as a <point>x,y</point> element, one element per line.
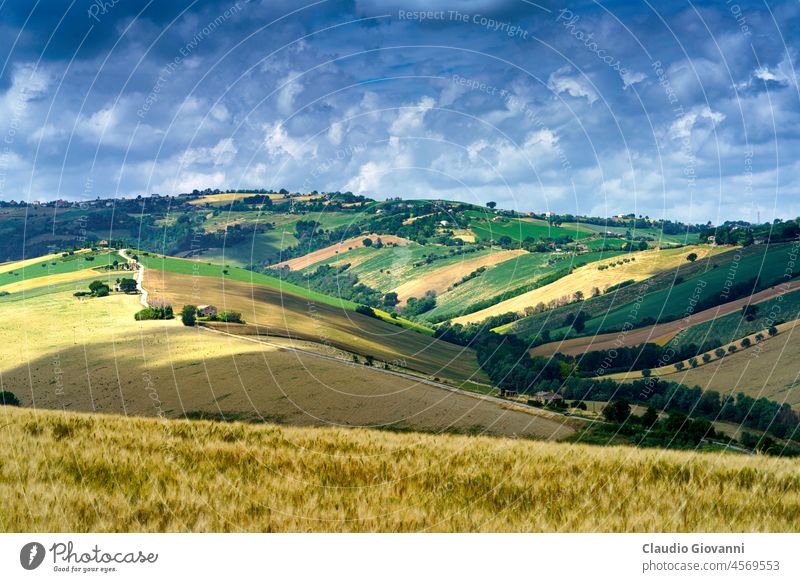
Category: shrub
<point>8,398</point>
<point>230,317</point>
<point>148,313</point>
<point>366,310</point>
<point>189,315</point>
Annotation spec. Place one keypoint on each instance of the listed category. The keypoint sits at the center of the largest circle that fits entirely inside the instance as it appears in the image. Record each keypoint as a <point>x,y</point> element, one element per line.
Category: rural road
<point>139,277</point>
<point>660,333</point>
<point>476,395</point>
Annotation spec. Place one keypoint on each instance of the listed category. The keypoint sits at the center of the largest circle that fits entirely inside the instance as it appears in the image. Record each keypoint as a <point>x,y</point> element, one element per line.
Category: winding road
<point>139,277</point>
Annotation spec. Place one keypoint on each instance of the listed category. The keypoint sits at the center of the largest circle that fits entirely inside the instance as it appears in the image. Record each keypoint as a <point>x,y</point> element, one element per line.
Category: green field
<point>768,262</point>
<point>60,265</point>
<point>517,228</point>
<point>260,244</point>
<point>201,269</point>
<point>508,277</point>
<point>733,326</point>
<point>654,233</point>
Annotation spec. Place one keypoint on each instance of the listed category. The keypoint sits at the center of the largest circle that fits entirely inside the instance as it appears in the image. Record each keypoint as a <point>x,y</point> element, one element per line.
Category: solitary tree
<point>646,373</point>
<point>772,331</point>
<point>719,352</point>
<point>491,205</point>
<point>650,417</point>
<point>706,358</point>
<point>746,342</point>
<point>189,315</point>
<point>367,242</point>
<point>680,366</point>
<point>617,411</point>
<point>127,285</point>
<point>691,257</point>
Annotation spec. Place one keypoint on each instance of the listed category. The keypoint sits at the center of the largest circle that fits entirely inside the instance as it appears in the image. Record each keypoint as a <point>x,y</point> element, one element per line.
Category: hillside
<point>103,360</point>
<point>108,473</point>
<point>601,275</point>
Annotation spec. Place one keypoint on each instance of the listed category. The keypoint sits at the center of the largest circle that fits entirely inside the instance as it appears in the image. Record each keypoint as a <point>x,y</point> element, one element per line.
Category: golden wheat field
<point>73,472</point>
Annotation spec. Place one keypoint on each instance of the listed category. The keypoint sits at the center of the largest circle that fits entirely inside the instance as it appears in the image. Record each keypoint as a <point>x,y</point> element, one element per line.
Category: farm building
<point>547,397</point>
<point>206,310</point>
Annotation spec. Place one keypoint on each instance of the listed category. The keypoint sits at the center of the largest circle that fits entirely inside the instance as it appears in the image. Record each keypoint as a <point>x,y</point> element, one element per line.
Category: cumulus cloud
<point>562,81</point>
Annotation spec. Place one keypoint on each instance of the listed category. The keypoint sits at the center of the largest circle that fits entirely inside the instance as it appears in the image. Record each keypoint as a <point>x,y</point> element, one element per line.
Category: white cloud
<point>631,78</point>
<point>561,81</point>
<point>410,119</point>
<point>683,126</point>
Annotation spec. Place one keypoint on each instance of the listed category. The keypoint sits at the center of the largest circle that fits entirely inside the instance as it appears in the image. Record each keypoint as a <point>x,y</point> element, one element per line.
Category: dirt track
<point>660,333</point>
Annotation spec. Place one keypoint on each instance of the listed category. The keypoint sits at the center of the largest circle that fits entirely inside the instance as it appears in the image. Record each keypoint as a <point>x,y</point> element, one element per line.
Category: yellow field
<point>314,257</point>
<point>71,472</point>
<point>441,279</point>
<point>62,278</point>
<point>586,278</point>
<point>218,199</point>
<point>14,265</point>
<point>90,354</point>
<point>767,369</point>
<point>283,314</point>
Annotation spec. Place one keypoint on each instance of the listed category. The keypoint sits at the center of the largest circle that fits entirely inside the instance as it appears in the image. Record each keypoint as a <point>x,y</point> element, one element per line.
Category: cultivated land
<point>662,333</point>
<point>282,313</point>
<point>441,279</point>
<point>767,369</point>
<point>320,255</point>
<point>103,360</point>
<point>645,264</point>
<point>103,473</point>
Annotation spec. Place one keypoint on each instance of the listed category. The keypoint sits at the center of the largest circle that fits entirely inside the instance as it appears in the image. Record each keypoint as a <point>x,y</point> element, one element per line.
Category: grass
<point>643,265</point>
<point>233,273</point>
<point>55,265</point>
<point>91,355</point>
<point>278,313</point>
<point>654,233</point>
<point>507,277</point>
<point>89,473</point>
<point>768,262</point>
<point>518,229</point>
<point>733,326</point>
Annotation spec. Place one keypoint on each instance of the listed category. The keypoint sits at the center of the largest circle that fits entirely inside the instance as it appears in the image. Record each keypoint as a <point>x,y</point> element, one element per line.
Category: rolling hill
<point>103,360</point>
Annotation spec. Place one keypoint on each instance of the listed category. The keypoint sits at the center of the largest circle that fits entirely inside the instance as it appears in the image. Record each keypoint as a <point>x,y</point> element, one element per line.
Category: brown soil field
<point>646,264</point>
<point>661,333</point>
<point>286,315</point>
<point>441,279</point>
<point>300,263</point>
<point>99,359</point>
<point>768,368</point>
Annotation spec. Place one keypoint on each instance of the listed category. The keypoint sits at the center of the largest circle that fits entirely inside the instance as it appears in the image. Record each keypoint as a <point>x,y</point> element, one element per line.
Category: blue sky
<point>679,110</point>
